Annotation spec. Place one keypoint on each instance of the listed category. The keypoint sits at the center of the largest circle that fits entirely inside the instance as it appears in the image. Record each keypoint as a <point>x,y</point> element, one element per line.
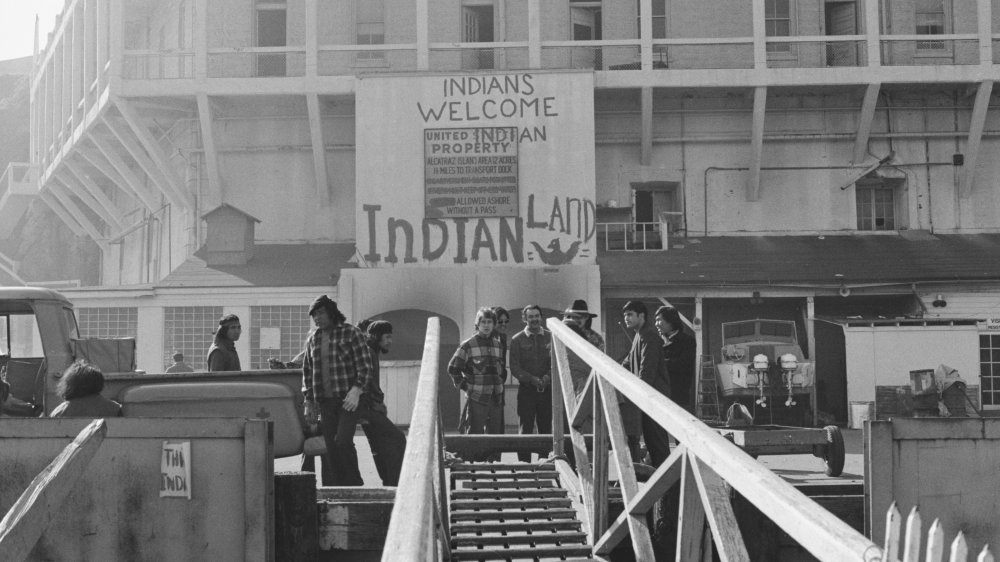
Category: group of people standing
<point>662,355</point>
<point>340,368</point>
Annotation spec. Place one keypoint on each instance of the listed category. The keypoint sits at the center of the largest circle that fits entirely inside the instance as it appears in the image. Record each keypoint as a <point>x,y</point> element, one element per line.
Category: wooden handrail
<point>32,513</point>
<point>821,533</point>
<point>412,534</point>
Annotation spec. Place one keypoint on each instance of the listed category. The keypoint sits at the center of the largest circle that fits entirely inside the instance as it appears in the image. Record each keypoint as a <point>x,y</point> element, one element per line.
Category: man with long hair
<point>222,354</point>
<point>336,370</point>
<point>387,442</point>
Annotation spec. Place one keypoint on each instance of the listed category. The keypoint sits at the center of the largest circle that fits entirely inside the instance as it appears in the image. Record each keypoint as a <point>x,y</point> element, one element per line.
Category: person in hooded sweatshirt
<point>222,354</point>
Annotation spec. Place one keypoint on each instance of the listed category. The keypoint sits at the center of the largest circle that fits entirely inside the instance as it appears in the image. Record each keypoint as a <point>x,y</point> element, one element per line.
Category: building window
<point>277,331</point>
<point>370,27</point>
<point>930,20</point>
<point>190,330</point>
<point>659,19</point>
<point>270,31</point>
<point>108,322</point>
<point>876,207</point>
<point>778,23</point>
<point>989,370</point>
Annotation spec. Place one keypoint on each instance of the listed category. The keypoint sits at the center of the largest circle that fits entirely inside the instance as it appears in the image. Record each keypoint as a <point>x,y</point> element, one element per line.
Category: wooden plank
<point>514,484</point>
<point>502,467</point>
<point>38,506</point>
<point>691,518</point>
<point>510,503</point>
<point>911,542</point>
<point>498,494</point>
<point>893,525</point>
<point>511,526</point>
<point>756,138</point>
<point>296,519</point>
<point>976,125</point>
<point>935,542</point>
<point>584,404</point>
<point>818,531</point>
<point>599,466</point>
<point>356,494</point>
<point>865,119</point>
<point>878,459</point>
<point>258,478</point>
<point>353,525</point>
<point>534,538</point>
<point>959,548</point>
<point>642,544</point>
<point>526,475</point>
<point>559,391</point>
<point>719,511</point>
<point>514,515</point>
<point>531,553</point>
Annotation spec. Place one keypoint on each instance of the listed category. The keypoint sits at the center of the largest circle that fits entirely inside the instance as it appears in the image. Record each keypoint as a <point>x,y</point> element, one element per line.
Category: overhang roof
<point>807,260</point>
<point>272,265</point>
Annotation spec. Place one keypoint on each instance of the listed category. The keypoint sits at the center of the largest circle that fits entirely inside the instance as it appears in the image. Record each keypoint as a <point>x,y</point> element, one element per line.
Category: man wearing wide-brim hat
<point>579,313</point>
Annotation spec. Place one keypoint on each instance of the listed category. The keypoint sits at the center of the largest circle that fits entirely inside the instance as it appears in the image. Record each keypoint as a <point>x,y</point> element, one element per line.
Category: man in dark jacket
<point>387,442</point>
<point>222,354</point>
<point>645,360</point>
<point>531,365</point>
<point>679,351</point>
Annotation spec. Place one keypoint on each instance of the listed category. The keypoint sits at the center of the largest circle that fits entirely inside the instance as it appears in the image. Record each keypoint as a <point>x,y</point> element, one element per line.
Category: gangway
<point>467,511</point>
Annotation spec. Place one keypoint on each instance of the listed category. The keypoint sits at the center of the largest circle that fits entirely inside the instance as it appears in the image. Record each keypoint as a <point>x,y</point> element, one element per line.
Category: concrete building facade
<point>831,163</point>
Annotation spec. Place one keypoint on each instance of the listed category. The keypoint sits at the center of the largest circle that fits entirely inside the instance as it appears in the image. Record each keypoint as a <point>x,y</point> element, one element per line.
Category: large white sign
<point>478,169</point>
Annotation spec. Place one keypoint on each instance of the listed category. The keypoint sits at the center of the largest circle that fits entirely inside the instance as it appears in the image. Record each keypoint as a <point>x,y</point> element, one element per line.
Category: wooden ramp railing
<point>32,513</point>
<point>418,527</point>
<point>705,465</point>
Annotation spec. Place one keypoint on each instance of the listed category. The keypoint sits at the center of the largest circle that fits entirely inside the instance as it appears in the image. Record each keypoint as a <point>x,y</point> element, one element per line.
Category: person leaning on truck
<point>336,370</point>
<point>222,354</point>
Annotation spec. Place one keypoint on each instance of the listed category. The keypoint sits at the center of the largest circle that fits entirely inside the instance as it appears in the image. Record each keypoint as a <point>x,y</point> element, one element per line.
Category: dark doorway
<point>271,33</point>
<point>409,331</point>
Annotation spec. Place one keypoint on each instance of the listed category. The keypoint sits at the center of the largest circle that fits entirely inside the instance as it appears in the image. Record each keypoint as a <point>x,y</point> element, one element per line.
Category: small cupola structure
<point>230,237</point>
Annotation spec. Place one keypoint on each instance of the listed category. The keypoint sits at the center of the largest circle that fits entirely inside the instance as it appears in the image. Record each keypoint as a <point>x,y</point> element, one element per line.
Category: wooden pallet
<point>513,512</point>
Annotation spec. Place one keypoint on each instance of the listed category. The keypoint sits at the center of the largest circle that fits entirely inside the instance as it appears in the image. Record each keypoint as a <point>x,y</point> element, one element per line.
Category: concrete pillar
<point>149,340</point>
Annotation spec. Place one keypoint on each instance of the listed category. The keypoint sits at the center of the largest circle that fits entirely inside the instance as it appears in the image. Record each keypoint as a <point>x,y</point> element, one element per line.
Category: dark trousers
<point>657,441</point>
<point>533,409</point>
<point>386,441</point>
<point>338,426</point>
<point>485,418</point>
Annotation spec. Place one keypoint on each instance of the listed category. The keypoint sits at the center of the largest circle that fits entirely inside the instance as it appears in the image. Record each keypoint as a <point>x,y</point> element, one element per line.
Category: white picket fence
<point>909,550</point>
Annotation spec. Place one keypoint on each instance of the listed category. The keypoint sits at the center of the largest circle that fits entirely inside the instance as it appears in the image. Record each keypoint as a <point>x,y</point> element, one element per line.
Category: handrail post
<point>600,463</point>
<point>558,431</point>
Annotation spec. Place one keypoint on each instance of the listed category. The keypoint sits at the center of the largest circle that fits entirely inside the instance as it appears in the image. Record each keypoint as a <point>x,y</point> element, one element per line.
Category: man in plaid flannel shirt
<point>477,369</point>
<point>336,371</point>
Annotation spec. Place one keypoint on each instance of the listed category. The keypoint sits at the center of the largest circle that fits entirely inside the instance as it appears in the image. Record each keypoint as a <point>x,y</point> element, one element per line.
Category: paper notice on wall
<point>175,470</point>
<point>993,324</point>
<point>270,338</point>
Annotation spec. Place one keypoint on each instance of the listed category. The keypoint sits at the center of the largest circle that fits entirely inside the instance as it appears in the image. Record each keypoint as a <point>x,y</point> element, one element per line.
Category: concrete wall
<point>884,356</point>
<point>115,511</point>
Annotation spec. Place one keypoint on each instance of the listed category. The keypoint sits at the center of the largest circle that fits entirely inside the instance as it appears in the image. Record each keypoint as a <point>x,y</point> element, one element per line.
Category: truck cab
<point>36,328</point>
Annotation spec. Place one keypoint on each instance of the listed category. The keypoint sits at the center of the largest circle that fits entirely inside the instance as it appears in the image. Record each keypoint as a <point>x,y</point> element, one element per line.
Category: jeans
<point>338,426</point>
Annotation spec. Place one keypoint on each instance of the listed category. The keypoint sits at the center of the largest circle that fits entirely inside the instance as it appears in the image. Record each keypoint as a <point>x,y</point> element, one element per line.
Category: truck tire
<point>834,453</point>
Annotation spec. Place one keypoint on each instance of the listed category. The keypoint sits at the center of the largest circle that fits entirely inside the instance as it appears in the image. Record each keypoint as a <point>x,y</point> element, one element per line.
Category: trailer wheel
<point>834,451</point>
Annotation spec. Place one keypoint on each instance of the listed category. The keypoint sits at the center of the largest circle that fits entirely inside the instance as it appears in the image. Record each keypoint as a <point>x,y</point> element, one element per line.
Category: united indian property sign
<point>481,169</point>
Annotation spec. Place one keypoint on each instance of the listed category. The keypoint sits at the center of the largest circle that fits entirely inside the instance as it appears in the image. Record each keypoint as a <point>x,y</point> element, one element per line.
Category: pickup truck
<point>37,329</point>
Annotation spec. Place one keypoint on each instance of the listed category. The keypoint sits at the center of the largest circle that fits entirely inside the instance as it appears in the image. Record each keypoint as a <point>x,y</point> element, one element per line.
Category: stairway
<point>707,407</point>
<point>513,512</point>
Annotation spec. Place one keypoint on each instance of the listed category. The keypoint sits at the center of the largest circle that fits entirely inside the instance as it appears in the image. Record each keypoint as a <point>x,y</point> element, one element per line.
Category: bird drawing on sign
<point>555,255</point>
